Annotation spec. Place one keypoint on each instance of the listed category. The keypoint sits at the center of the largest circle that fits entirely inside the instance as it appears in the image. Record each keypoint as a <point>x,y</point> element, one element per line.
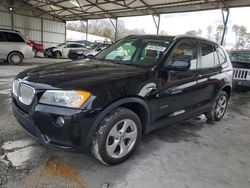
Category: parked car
<point>91,51</point>
<point>95,48</point>
<point>62,50</point>
<point>48,52</point>
<point>84,42</point>
<point>14,47</point>
<point>241,68</point>
<point>37,47</point>
<point>104,105</point>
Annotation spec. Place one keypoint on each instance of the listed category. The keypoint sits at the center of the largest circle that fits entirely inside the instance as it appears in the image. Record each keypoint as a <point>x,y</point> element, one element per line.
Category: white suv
<point>14,47</point>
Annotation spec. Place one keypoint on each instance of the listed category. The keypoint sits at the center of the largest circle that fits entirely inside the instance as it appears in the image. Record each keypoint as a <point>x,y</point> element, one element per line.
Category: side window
<point>1,37</point>
<point>221,55</point>
<point>207,56</point>
<point>13,37</point>
<point>78,46</point>
<point>186,50</point>
<point>124,52</point>
<point>68,46</point>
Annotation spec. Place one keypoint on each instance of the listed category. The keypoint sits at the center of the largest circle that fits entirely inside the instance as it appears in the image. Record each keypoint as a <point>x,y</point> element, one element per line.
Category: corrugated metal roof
<point>97,9</point>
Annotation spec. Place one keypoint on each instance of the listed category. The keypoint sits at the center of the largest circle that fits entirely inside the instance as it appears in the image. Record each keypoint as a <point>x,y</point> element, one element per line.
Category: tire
<point>57,54</point>
<point>15,58</point>
<point>117,137</point>
<point>219,107</point>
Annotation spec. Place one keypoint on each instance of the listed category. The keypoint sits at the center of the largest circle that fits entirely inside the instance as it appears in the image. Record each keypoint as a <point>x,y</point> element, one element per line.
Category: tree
<point>194,33</point>
<point>218,34</point>
<point>162,32</point>
<point>104,28</point>
<point>209,31</point>
<point>241,35</point>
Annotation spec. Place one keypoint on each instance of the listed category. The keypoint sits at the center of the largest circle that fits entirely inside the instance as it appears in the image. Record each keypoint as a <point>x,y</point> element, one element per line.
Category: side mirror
<point>179,65</point>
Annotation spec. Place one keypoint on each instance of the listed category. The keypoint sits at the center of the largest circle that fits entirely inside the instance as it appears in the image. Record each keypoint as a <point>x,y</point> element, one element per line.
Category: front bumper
<point>241,83</point>
<point>40,122</point>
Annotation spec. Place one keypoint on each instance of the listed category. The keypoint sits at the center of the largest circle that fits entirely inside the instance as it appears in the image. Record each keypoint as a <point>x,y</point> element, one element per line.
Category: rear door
<point>208,78</point>
<point>178,93</point>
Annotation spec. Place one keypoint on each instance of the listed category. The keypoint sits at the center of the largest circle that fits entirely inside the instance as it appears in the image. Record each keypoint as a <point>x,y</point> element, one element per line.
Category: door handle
<point>198,76</point>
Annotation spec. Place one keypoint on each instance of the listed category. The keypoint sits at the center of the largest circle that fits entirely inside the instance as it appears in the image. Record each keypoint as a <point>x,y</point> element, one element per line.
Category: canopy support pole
<point>225,16</point>
<point>87,30</point>
<point>115,26</point>
<point>86,26</point>
<point>157,22</point>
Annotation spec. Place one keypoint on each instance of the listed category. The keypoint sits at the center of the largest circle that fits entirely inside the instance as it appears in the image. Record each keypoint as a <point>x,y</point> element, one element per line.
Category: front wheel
<point>57,54</point>
<point>117,137</point>
<point>219,107</point>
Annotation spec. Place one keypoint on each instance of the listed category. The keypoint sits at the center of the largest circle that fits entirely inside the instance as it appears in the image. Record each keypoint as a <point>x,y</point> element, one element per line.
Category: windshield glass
<point>61,44</point>
<point>93,46</point>
<point>139,52</point>
<point>243,57</point>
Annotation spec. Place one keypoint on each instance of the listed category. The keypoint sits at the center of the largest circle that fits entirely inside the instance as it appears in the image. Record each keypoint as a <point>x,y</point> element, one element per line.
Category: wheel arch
<point>15,52</point>
<point>227,89</point>
<point>135,104</point>
<point>58,51</point>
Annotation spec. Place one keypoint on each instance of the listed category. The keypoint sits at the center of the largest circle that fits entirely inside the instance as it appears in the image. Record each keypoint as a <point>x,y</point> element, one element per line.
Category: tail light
<point>29,43</point>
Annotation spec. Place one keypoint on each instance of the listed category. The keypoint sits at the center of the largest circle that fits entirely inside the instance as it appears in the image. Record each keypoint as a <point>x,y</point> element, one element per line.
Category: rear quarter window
<point>1,37</point>
<point>13,37</point>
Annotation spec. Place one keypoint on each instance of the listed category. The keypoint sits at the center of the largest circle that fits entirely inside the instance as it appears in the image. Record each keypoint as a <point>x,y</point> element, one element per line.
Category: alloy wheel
<point>122,138</point>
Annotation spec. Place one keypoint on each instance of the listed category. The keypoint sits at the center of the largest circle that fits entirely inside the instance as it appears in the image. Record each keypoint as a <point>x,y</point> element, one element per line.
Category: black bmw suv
<point>105,104</point>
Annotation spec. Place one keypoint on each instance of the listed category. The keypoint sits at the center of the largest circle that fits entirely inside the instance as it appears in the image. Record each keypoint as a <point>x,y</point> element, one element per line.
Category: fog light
<point>60,121</point>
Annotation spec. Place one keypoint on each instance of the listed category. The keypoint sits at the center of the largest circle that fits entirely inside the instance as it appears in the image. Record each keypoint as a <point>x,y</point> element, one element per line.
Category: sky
<point>180,23</point>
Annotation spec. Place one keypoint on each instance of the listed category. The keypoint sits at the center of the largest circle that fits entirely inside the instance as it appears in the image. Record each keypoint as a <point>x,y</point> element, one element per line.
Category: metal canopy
<point>69,10</point>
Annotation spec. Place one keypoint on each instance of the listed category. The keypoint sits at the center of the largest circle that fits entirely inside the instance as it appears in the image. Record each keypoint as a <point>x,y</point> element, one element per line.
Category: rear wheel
<point>117,137</point>
<point>219,107</point>
<point>15,58</point>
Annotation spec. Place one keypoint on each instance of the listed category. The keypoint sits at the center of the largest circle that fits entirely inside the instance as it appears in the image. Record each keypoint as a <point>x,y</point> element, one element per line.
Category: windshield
<point>61,44</point>
<point>93,45</point>
<point>243,57</point>
<point>139,52</point>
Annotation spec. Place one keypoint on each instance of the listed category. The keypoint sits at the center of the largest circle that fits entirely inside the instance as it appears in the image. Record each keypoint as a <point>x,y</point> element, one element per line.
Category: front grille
<point>26,94</point>
<point>15,87</point>
<point>241,74</point>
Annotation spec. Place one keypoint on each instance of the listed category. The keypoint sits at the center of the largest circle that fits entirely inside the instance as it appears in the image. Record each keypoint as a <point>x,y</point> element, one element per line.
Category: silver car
<point>14,47</point>
<point>95,48</point>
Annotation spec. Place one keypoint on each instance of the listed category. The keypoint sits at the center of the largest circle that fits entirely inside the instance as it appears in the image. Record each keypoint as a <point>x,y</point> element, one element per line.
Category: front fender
<point>113,106</point>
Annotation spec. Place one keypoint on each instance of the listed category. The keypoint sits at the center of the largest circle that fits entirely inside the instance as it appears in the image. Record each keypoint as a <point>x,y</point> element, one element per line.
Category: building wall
<point>40,27</point>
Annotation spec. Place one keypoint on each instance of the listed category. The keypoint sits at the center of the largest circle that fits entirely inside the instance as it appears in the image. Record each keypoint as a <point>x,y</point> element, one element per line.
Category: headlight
<point>71,99</point>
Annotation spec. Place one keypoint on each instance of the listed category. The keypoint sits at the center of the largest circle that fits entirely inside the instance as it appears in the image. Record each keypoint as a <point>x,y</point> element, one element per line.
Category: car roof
<point>72,43</point>
<point>9,30</point>
<point>169,37</point>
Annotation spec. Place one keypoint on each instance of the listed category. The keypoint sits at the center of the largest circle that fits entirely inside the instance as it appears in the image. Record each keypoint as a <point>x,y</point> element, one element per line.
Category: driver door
<point>178,93</point>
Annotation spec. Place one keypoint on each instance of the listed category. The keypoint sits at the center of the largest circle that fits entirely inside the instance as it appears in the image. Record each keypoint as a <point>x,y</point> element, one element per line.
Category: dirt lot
<point>192,154</point>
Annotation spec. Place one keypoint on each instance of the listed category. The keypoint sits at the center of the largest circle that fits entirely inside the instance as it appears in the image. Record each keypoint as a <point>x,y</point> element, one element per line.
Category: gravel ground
<point>191,154</point>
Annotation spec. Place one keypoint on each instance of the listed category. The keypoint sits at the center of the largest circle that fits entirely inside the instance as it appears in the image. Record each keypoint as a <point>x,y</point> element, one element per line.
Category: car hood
<point>50,48</point>
<point>76,74</point>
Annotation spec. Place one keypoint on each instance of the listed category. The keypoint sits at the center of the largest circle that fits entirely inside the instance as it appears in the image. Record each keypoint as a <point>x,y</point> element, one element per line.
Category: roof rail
<point>9,30</point>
